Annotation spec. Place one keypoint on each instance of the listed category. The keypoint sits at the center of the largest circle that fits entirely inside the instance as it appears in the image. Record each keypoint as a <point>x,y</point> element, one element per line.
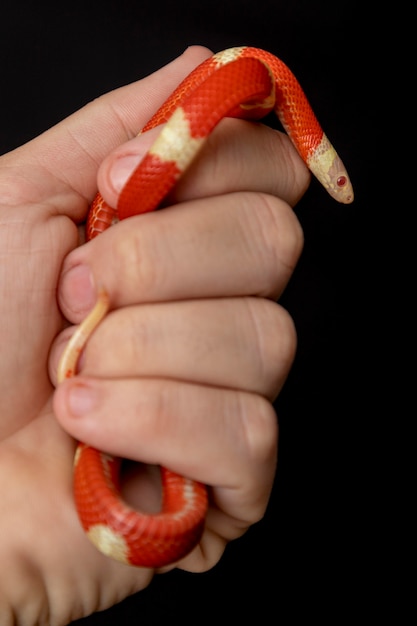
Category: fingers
<point>237,156</point>
<point>221,437</point>
<point>235,245</point>
<point>235,343</point>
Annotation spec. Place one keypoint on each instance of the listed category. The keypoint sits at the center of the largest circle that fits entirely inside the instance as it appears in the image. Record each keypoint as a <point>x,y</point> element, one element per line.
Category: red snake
<point>240,82</point>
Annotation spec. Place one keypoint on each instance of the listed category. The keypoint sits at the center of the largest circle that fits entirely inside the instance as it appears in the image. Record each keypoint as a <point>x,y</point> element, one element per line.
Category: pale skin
<point>182,372</point>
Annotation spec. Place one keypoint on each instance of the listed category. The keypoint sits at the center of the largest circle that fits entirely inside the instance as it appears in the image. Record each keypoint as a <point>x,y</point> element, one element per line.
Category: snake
<point>241,82</point>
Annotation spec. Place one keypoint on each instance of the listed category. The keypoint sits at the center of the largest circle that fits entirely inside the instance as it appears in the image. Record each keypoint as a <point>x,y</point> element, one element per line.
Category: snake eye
<point>341,181</point>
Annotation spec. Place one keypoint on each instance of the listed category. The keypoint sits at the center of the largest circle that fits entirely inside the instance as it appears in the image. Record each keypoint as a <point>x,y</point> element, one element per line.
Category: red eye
<point>341,181</point>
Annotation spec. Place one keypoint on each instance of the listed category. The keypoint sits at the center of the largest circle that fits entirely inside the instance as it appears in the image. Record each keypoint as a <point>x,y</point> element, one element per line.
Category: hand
<point>183,370</point>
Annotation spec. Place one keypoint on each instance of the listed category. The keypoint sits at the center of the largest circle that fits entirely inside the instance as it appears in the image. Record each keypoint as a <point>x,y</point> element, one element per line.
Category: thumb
<point>72,150</point>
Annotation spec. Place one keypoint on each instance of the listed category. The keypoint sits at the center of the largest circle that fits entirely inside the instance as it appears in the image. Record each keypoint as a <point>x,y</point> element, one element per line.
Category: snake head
<point>328,168</point>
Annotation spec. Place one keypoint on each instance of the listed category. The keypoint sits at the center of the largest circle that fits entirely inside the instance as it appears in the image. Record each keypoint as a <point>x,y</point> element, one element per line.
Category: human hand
<point>202,348</point>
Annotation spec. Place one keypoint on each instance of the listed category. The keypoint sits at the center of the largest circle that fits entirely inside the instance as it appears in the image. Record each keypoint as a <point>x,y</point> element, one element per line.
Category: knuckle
<point>257,444</point>
<point>136,256</point>
<point>291,174</point>
<point>274,342</point>
<point>25,591</point>
<point>275,239</point>
<point>132,333</point>
<point>260,429</point>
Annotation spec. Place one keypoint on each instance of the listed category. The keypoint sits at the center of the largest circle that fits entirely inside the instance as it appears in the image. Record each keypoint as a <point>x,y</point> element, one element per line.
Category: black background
<point>303,556</point>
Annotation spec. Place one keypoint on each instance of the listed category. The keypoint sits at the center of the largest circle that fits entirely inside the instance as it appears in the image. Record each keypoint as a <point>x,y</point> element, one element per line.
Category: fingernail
<point>82,399</point>
<point>125,164</point>
<point>122,169</point>
<point>77,290</point>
